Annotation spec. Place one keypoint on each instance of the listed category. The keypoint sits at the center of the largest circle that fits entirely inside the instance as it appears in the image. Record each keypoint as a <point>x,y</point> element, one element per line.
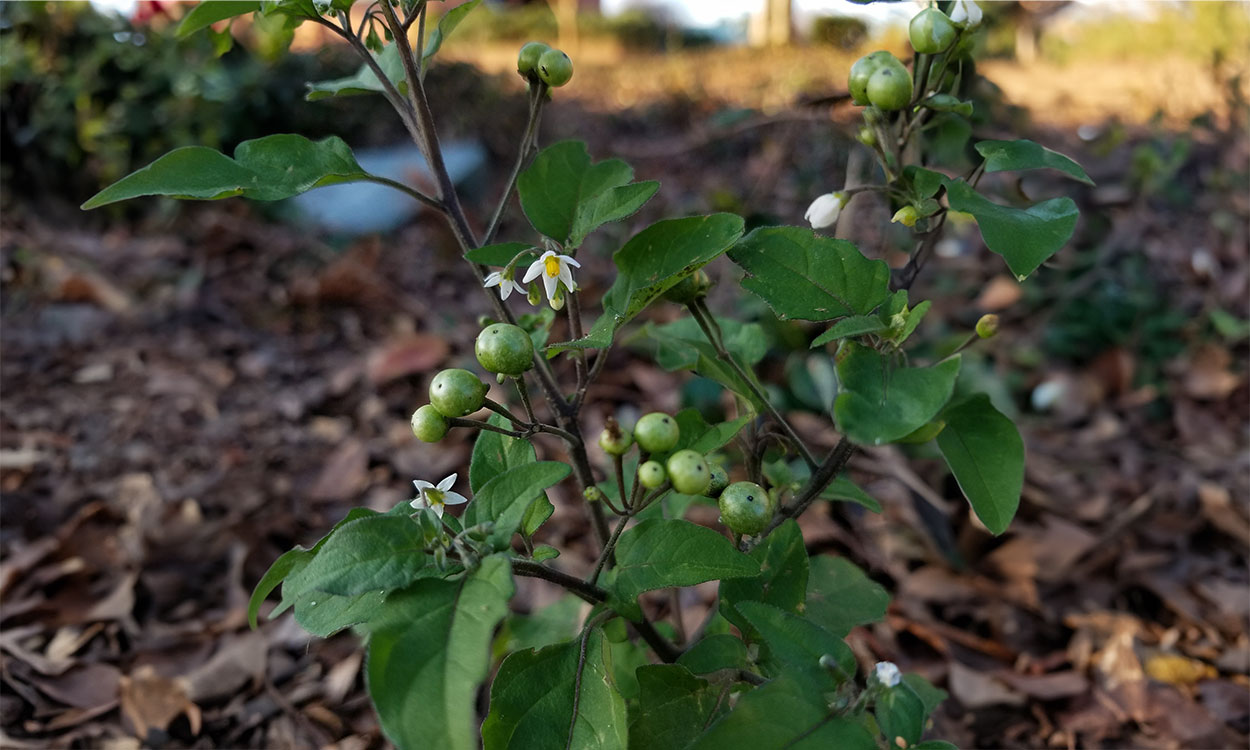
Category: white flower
<point>887,673</point>
<point>437,497</point>
<point>966,13</point>
<point>554,269</point>
<point>506,284</point>
<point>824,210</point>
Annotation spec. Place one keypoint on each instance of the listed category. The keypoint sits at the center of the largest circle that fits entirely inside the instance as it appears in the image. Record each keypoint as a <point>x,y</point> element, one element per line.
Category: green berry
<point>614,630</point>
<point>505,349</point>
<point>863,69</point>
<point>555,68</point>
<point>527,59</point>
<point>987,326</point>
<point>456,393</point>
<point>889,88</point>
<point>651,474</point>
<point>689,289</point>
<point>720,480</point>
<point>867,136</point>
<point>746,508</point>
<point>932,32</point>
<point>656,432</point>
<point>688,471</point>
<point>428,424</point>
<point>615,440</point>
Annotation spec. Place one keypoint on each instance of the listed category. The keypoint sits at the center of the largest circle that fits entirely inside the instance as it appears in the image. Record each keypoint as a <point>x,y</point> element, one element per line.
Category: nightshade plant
<point>428,591</point>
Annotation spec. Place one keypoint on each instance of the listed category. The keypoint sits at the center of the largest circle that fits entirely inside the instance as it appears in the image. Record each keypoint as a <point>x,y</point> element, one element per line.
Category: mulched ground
<point>189,396</point>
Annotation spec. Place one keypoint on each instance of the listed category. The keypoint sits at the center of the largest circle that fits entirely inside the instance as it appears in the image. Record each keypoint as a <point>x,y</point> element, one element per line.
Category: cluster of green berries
<point>500,348</point>
<point>881,79</point>
<point>538,62</point>
<point>689,472</point>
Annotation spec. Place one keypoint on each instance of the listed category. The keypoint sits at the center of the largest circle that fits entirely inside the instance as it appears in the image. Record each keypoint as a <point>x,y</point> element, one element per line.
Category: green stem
<point>528,140</point>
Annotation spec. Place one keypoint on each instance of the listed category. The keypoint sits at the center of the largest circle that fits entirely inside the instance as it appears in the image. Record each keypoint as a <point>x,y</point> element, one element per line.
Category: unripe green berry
<point>555,68</point>
<point>720,480</point>
<point>746,508</point>
<point>931,32</point>
<point>428,424</point>
<point>657,432</point>
<point>688,471</point>
<point>889,88</point>
<point>863,69</point>
<point>593,494</point>
<point>651,474</point>
<point>987,326</point>
<point>527,59</point>
<point>505,349</point>
<point>867,136</point>
<point>615,440</point>
<point>689,289</point>
<point>456,393</point>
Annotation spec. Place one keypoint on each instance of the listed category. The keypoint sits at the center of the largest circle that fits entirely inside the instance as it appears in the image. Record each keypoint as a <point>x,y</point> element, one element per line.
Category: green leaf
<point>842,488</point>
<point>714,653</point>
<point>984,451</point>
<point>291,588</point>
<point>426,663</point>
<point>879,404</point>
<point>840,596</point>
<point>934,745</point>
<point>1025,237</point>
<point>782,579</point>
<point>925,182</point>
<point>856,325</point>
<point>506,498</point>
<point>265,169</point>
<point>324,614</point>
<point>495,454</point>
<point>545,552</point>
<point>783,714</point>
<point>539,696</point>
<point>657,554</point>
<point>364,80</point>
<point>277,572</point>
<point>536,515</point>
<point>209,12</point>
<point>796,644</point>
<point>557,622</point>
<point>801,275</point>
<point>447,24</point>
<point>649,264</point>
<point>682,346</point>
<point>699,436</point>
<point>900,713</point>
<point>673,707</point>
<point>501,254</point>
<point>1004,156</point>
<point>378,552</point>
<point>566,197</point>
<point>930,695</point>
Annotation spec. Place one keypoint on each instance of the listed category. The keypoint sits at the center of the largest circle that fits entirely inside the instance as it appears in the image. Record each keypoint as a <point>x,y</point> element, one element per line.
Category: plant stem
<point>825,473</point>
<point>701,315</point>
<point>575,332</point>
<point>504,412</point>
<point>607,549</point>
<point>618,465</point>
<point>524,392</point>
<point>478,425</point>
<point>528,141</point>
<point>587,591</point>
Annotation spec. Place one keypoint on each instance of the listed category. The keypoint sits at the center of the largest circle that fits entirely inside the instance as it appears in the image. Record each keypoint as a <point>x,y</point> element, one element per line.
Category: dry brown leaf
<point>1208,376</point>
<point>344,474</point>
<point>405,355</point>
<point>85,686</point>
<point>1175,669</point>
<point>1001,292</point>
<point>241,660</point>
<point>1047,687</point>
<point>1217,507</point>
<point>150,701</point>
<point>975,689</point>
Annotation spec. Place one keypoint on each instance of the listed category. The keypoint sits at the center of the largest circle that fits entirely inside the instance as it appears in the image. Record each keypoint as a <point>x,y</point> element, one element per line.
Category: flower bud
<point>987,326</point>
<point>825,210</point>
<point>966,13</point>
<point>592,494</point>
<point>886,674</point>
<point>907,216</point>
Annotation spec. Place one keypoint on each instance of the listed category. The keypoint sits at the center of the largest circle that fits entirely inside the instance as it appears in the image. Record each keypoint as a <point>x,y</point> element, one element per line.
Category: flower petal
<point>532,272</point>
<point>550,285</point>
<point>438,509</point>
<point>454,498</point>
<point>571,261</point>
<point>417,502</point>
<point>447,482</point>
<point>567,277</point>
<point>421,484</point>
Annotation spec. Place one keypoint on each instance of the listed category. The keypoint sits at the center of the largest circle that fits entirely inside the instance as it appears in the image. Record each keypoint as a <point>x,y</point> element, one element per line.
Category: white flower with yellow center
<point>554,268</point>
<point>437,497</point>
<point>505,281</point>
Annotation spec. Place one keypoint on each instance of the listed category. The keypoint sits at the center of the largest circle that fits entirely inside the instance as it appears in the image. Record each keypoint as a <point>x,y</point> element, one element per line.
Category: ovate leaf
<point>855,325</point>
<point>265,169</point>
<point>1003,156</point>
<point>380,552</point>
<point>802,275</point>
<point>840,596</point>
<point>782,580</point>
<point>209,12</point>
<point>447,24</point>
<point>784,714</point>
<point>879,403</point>
<point>796,645</point>
<point>1025,237</point>
<point>566,197</point>
<point>364,80</point>
<point>426,663</point>
<point>673,707</point>
<point>984,451</point>
<point>657,554</point>
<point>555,698</point>
<point>506,498</point>
<point>653,261</point>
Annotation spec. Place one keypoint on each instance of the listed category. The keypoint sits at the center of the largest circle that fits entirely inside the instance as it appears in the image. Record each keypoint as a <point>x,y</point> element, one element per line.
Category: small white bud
<point>966,13</point>
<point>887,674</point>
<point>824,210</point>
